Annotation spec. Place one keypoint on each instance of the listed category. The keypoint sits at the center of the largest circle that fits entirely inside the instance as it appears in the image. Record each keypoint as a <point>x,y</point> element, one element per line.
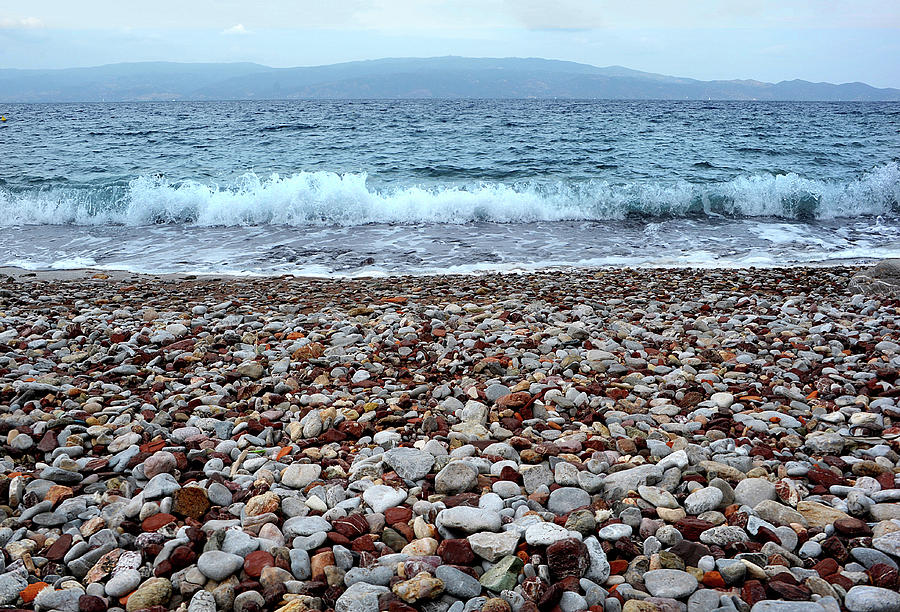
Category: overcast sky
<point>770,40</point>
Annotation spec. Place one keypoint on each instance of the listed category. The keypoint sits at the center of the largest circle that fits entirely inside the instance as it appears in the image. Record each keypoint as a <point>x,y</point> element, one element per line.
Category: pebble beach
<point>613,440</point>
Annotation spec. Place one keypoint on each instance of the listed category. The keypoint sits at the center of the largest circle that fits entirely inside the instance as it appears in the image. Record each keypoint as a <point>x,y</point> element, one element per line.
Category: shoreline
<point>84,274</point>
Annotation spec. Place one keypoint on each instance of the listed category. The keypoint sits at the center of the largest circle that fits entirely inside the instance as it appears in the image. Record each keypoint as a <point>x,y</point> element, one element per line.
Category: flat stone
<point>360,597</point>
<point>502,575</point>
<point>618,484</point>
<point>703,500</point>
<point>458,583</point>
<point>598,565</point>
<point>305,526</point>
<point>723,535</point>
<point>658,497</point>
<point>153,592</point>
<point>544,534</point>
<point>456,477</point>
<point>218,565</point>
<point>615,531</point>
<point>819,515</point>
<point>778,514</point>
<point>565,499</point>
<point>872,599</point>
<point>888,543</point>
<point>493,546</point>
<point>536,477</point>
<point>300,475</point>
<point>382,497</point>
<point>774,605</point>
<point>669,583</point>
<point>409,463</point>
<point>752,491</point>
<point>468,520</point>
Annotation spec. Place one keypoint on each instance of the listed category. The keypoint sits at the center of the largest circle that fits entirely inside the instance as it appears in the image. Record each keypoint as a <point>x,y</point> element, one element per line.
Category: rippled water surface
<point>356,187</point>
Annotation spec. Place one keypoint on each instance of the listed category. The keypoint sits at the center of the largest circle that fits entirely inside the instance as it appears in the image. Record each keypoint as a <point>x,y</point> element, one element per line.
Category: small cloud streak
<point>236,30</point>
<point>26,23</point>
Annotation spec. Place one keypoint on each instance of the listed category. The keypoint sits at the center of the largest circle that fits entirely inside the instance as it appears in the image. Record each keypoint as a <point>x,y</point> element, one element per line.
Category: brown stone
<point>826,478</point>
<point>364,543</point>
<point>495,604</point>
<point>319,562</point>
<point>691,527</point>
<point>182,557</point>
<point>58,493</point>
<point>568,557</point>
<point>262,504</point>
<point>91,603</point>
<point>513,400</point>
<point>753,591</point>
<point>826,567</point>
<point>713,580</point>
<point>351,526</point>
<point>190,501</point>
<point>690,552</point>
<point>397,515</point>
<point>852,527</point>
<point>48,442</point>
<point>255,562</point>
<point>791,592</point>
<point>157,521</point>
<point>883,576</point>
<point>456,552</point>
<point>59,548</point>
<point>834,548</point>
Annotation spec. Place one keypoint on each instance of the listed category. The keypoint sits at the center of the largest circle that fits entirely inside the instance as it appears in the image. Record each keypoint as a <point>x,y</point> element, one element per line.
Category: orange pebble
<point>31,591</point>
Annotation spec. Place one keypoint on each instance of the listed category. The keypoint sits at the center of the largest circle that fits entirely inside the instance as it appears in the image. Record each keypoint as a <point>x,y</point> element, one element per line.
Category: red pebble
<point>255,562</point>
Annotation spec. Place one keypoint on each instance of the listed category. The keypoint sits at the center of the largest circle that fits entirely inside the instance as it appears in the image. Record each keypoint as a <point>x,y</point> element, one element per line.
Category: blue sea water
<point>396,187</point>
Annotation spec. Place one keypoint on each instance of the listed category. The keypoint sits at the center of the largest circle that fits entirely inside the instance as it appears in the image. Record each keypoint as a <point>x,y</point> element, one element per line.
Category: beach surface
<point>610,439</point>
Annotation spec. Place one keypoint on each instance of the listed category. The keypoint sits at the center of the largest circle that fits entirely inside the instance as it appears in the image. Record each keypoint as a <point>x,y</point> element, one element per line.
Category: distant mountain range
<point>437,77</point>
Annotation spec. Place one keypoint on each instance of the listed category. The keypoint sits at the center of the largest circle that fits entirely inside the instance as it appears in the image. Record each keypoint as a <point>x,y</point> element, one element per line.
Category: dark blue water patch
<point>288,127</point>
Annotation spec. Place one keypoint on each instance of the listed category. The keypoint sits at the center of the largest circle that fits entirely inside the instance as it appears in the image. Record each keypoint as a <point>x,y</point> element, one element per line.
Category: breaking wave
<point>330,199</point>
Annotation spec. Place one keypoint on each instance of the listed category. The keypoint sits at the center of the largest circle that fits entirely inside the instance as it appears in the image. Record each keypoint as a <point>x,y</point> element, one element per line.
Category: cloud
<point>25,23</point>
<point>236,30</point>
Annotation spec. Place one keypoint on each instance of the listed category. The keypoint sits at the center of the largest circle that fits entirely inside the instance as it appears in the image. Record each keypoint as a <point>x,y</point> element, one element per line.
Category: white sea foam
<point>329,199</point>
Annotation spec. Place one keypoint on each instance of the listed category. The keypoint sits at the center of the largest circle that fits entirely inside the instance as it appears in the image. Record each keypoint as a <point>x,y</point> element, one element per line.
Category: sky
<point>766,40</point>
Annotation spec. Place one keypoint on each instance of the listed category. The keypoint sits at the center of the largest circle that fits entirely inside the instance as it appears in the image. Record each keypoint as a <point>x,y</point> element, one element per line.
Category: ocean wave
<point>326,198</point>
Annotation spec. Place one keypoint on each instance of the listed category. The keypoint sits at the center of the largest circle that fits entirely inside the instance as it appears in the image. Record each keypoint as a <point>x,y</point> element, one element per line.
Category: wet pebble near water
<point>613,440</point>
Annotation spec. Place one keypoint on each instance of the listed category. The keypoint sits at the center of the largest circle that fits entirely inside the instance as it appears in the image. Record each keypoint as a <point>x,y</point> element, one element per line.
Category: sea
<point>387,187</point>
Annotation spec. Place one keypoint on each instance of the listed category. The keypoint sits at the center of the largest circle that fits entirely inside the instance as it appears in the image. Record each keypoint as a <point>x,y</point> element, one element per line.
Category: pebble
<point>675,584</point>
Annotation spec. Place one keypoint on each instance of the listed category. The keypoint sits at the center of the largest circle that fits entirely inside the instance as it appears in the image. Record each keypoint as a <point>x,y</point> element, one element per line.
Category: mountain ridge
<point>436,77</point>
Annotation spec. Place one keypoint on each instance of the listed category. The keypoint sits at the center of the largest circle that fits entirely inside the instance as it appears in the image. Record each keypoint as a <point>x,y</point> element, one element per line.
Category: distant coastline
<point>438,77</point>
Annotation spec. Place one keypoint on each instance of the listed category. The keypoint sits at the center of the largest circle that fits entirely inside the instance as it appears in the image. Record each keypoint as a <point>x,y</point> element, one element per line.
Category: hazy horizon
<point>834,41</point>
<point>389,58</point>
